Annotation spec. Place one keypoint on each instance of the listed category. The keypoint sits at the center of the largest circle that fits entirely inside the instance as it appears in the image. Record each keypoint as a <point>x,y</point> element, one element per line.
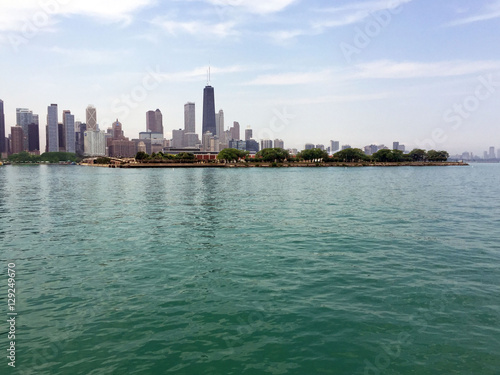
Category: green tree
<point>418,154</point>
<point>273,154</point>
<point>185,156</point>
<point>141,155</point>
<point>23,157</point>
<point>231,154</point>
<point>433,155</point>
<point>313,154</point>
<point>56,157</point>
<point>350,155</point>
<point>388,156</point>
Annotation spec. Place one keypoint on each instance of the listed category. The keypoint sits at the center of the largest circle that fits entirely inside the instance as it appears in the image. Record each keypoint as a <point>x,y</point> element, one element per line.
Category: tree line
<point>279,155</point>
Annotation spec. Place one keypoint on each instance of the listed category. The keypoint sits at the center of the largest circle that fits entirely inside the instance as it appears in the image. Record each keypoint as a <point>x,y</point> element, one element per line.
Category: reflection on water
<point>254,271</point>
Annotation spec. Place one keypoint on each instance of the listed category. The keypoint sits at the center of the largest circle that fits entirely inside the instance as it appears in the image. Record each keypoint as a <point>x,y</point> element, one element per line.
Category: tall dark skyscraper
<point>209,111</point>
<point>2,129</point>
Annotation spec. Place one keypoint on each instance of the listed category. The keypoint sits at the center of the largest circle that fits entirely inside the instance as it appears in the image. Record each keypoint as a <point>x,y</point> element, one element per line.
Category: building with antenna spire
<point>208,124</point>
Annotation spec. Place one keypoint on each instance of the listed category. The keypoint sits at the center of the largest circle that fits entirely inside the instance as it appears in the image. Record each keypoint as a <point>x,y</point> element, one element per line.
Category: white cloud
<point>255,6</point>
<point>197,28</point>
<point>284,79</point>
<point>337,99</point>
<point>387,69</point>
<point>199,73</point>
<point>492,12</point>
<point>86,56</point>
<point>19,16</point>
<point>356,12</point>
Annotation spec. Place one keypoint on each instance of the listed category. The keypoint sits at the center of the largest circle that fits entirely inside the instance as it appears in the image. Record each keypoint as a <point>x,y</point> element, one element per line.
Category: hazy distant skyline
<point>424,73</point>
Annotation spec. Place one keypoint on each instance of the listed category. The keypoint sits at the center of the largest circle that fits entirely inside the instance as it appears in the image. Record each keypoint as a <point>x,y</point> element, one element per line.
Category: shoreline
<point>279,165</point>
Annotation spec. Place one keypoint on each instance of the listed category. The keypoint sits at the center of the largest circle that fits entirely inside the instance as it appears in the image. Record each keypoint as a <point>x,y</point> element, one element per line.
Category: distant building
<point>52,129</point>
<point>122,148</point>
<point>154,121</point>
<point>371,149</point>
<point>308,146</point>
<point>3,143</point>
<point>278,143</point>
<point>345,147</point>
<point>321,147</point>
<point>16,139</point>
<point>219,123</point>
<point>189,118</point>
<point>69,128</point>
<point>208,124</point>
<point>266,143</point>
<point>62,140</point>
<point>395,145</point>
<point>178,138</point>
<point>235,131</point>
<point>79,138</point>
<point>239,145</point>
<point>91,116</point>
<point>24,117</point>
<point>252,145</point>
<point>248,134</point>
<point>492,153</point>
<point>117,130</point>
<point>94,143</point>
<point>33,138</point>
<point>334,146</point>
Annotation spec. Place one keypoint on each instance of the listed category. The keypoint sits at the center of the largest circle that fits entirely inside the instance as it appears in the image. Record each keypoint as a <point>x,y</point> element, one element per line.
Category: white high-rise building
<point>266,143</point>
<point>334,146</point>
<point>91,118</point>
<point>219,123</point>
<point>189,118</point>
<point>94,143</point>
<point>278,143</point>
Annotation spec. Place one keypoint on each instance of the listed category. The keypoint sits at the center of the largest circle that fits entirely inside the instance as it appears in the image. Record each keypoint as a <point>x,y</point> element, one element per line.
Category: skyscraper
<point>334,146</point>
<point>248,134</point>
<point>492,152</point>
<point>154,121</point>
<point>279,143</point>
<point>189,118</point>
<point>266,143</point>
<point>219,123</point>
<point>2,130</point>
<point>209,110</point>
<point>91,118</point>
<point>118,130</point>
<point>16,135</point>
<point>52,129</point>
<point>235,131</point>
<point>69,128</point>
<point>24,117</point>
<point>33,137</point>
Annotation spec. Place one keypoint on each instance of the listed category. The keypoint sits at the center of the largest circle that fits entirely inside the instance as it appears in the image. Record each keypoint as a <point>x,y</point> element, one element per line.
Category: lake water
<point>252,271</point>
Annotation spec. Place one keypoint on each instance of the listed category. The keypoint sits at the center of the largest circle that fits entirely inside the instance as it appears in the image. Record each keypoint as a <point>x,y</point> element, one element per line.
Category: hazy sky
<point>422,72</point>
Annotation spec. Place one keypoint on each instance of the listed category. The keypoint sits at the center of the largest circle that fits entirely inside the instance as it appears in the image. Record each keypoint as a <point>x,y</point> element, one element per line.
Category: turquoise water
<point>252,271</point>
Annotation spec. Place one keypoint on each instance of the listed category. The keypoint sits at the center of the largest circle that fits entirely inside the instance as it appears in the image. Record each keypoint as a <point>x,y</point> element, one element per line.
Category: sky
<point>425,73</point>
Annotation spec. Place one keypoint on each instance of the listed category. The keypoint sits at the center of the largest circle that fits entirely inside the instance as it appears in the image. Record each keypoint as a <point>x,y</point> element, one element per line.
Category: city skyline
<point>365,72</point>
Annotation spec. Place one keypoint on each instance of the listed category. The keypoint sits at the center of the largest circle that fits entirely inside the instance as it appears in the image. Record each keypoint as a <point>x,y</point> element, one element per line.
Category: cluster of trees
<point>50,157</point>
<point>231,154</point>
<point>278,155</point>
<point>160,156</point>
